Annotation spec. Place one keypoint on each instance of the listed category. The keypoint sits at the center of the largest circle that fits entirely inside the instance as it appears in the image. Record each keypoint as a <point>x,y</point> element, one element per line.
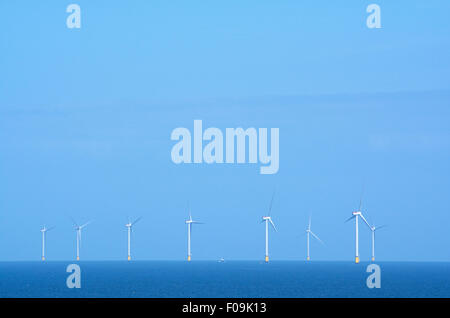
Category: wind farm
<point>266,219</point>
<point>313,235</point>
<point>294,273</point>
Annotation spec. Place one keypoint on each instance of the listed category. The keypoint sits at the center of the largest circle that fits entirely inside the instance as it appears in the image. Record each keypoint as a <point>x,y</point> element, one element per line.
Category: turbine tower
<point>189,223</point>
<point>308,232</point>
<point>373,229</point>
<point>356,215</point>
<point>78,230</point>
<point>268,219</point>
<point>44,231</point>
<point>129,226</point>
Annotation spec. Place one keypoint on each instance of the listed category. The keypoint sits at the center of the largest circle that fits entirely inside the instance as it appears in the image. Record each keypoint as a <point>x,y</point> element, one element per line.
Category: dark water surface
<point>228,279</point>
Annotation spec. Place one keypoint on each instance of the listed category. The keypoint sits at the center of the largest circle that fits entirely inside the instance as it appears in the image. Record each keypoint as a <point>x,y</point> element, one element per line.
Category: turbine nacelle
<point>46,229</point>
<point>190,221</point>
<point>374,228</point>
<point>130,224</point>
<point>269,219</point>
<point>357,213</point>
<point>80,227</point>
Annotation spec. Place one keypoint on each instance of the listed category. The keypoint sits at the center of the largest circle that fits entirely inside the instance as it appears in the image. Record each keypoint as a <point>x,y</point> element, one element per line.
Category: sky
<point>86,117</point>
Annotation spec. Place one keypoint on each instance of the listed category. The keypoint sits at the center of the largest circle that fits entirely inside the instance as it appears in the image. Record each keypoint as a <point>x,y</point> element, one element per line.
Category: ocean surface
<point>209,279</point>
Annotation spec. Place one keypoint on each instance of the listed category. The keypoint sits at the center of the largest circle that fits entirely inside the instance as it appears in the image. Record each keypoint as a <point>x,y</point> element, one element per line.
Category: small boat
<point>221,260</point>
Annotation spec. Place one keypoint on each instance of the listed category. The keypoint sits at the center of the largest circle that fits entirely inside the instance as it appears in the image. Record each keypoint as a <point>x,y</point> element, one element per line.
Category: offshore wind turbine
<point>44,231</point>
<point>356,215</point>
<point>78,230</point>
<point>373,229</point>
<point>308,232</point>
<point>129,226</point>
<point>268,219</point>
<point>189,223</point>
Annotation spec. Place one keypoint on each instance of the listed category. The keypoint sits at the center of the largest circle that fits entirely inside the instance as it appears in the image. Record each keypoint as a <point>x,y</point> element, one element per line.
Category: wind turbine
<point>44,231</point>
<point>308,232</point>
<point>129,226</point>
<point>78,230</point>
<point>189,223</point>
<point>268,219</point>
<point>356,215</point>
<point>373,229</point>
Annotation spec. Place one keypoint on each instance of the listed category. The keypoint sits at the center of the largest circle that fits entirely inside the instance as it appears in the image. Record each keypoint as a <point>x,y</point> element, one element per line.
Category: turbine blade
<point>360,198</point>
<point>368,216</point>
<point>137,220</point>
<point>189,211</point>
<point>365,221</point>
<point>196,222</point>
<point>273,225</point>
<point>51,228</point>
<point>350,218</point>
<point>73,221</point>
<point>379,227</point>
<point>85,224</point>
<point>271,202</point>
<point>309,223</point>
<point>317,238</point>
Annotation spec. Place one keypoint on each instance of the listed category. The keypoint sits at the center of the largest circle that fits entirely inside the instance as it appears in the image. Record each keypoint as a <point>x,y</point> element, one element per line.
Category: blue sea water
<point>208,279</point>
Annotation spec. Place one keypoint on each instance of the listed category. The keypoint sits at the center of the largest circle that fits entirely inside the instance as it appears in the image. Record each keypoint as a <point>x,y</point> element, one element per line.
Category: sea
<point>212,279</point>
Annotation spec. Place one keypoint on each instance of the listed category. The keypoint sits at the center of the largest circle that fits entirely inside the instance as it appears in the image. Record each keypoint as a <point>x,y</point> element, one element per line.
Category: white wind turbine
<point>129,226</point>
<point>78,230</point>
<point>44,231</point>
<point>373,229</point>
<point>308,232</point>
<point>268,219</point>
<point>189,223</point>
<point>355,216</point>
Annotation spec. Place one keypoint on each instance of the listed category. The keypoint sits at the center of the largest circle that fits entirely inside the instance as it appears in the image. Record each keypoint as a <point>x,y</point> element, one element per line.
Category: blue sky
<point>86,117</point>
